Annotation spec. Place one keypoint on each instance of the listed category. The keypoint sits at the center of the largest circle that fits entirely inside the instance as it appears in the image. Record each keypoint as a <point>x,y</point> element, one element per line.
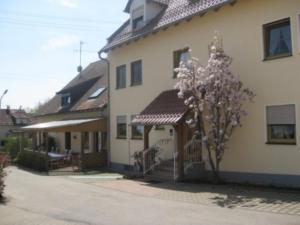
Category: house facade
<point>82,102</point>
<point>262,37</point>
<point>11,120</point>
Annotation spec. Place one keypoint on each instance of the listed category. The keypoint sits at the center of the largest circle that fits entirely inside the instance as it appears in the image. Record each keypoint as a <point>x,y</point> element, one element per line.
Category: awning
<point>82,125</point>
<point>165,109</point>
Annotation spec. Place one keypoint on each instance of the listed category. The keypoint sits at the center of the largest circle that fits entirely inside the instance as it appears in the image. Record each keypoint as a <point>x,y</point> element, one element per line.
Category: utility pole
<point>4,93</point>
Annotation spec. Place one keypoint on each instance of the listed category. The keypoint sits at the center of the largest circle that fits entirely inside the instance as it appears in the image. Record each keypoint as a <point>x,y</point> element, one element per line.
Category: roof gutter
<point>108,105</point>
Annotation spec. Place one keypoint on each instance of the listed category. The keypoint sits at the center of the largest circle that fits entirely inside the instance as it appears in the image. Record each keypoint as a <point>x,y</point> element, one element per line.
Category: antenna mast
<point>79,68</point>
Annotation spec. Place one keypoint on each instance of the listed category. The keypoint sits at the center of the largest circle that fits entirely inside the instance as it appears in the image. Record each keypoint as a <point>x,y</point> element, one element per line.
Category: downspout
<point>108,106</point>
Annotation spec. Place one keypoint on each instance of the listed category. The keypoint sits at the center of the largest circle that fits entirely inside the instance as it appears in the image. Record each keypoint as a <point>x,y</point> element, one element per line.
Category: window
<point>277,38</point>
<point>137,131</point>
<point>281,124</point>
<point>121,77</point>
<point>181,55</point>
<point>65,100</point>
<point>121,127</point>
<point>137,17</point>
<point>136,73</point>
<point>97,93</point>
<point>137,22</point>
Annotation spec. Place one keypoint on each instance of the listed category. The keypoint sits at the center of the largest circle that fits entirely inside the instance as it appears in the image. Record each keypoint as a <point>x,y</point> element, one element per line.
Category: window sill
<point>268,58</point>
<point>137,138</point>
<point>280,143</point>
<point>120,88</point>
<point>121,138</point>
<point>137,84</point>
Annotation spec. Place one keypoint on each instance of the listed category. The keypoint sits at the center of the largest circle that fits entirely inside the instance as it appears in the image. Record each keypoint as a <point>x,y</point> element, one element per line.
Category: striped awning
<point>165,109</point>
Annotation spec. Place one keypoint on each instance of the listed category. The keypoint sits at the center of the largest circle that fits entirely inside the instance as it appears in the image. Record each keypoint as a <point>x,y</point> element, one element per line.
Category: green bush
<point>12,146</point>
<point>33,160</point>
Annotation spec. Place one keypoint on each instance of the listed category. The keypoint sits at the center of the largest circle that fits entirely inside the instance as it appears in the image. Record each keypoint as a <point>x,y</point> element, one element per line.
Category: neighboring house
<point>11,120</point>
<point>263,39</point>
<point>76,116</point>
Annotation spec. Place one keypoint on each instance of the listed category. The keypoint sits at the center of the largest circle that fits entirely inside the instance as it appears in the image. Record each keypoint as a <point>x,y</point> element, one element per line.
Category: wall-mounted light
<point>171,132</point>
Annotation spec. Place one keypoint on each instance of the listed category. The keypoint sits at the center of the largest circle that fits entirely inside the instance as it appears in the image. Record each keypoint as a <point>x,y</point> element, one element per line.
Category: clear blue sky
<point>38,39</point>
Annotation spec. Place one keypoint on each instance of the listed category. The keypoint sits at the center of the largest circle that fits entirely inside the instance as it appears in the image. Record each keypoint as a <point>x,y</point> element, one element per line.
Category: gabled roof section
<point>8,117</point>
<point>174,12</point>
<point>128,5</point>
<point>165,109</point>
<point>81,87</point>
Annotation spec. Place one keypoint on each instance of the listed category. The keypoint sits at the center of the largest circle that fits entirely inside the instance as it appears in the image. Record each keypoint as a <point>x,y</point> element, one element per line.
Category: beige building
<point>263,37</point>
<point>75,118</point>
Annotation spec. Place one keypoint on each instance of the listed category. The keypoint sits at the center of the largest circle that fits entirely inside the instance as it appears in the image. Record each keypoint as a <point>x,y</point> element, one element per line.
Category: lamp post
<point>4,93</point>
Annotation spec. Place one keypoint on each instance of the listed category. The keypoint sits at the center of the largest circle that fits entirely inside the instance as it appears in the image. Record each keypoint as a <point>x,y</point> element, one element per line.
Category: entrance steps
<point>162,173</point>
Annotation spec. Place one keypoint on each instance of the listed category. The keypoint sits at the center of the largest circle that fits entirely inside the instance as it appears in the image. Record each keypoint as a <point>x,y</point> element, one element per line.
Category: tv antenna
<point>79,68</point>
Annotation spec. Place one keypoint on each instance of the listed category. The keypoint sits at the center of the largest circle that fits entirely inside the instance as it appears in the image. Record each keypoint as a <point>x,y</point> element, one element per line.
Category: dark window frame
<point>135,131</point>
<point>134,81</point>
<point>136,21</point>
<point>121,126</point>
<point>176,59</point>
<point>266,36</point>
<point>119,85</point>
<point>64,100</point>
<point>274,119</point>
<point>271,140</point>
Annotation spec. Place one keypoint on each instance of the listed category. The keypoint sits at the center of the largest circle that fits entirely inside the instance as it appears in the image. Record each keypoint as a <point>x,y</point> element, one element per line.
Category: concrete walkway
<point>41,200</point>
<point>225,196</point>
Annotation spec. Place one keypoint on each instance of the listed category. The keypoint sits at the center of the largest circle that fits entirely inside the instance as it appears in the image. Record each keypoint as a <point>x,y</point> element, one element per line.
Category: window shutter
<point>121,119</point>
<point>281,114</point>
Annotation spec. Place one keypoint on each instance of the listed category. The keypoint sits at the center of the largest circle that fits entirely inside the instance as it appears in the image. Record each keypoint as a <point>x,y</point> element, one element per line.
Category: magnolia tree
<point>216,98</point>
<point>2,175</point>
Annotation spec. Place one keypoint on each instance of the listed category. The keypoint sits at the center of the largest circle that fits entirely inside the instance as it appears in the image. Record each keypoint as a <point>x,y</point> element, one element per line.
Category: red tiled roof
<point>174,12</point>
<point>165,109</point>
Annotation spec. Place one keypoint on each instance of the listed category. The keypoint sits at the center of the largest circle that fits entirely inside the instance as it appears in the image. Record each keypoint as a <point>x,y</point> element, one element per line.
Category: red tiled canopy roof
<point>165,109</point>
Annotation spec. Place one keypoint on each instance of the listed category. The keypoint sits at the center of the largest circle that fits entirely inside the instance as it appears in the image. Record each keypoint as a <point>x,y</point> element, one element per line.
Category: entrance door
<point>68,140</point>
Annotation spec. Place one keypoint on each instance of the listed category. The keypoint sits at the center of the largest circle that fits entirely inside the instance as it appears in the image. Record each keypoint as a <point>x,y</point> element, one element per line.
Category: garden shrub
<point>33,160</point>
<point>12,147</point>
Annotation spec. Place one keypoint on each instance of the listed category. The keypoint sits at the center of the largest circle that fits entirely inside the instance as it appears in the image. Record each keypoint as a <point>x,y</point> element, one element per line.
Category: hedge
<point>33,160</point>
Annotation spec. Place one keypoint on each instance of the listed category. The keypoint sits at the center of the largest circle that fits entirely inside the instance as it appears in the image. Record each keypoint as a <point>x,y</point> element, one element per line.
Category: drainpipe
<point>108,105</point>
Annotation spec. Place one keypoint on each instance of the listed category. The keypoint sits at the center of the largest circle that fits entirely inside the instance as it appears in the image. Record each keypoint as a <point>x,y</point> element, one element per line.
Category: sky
<point>39,42</point>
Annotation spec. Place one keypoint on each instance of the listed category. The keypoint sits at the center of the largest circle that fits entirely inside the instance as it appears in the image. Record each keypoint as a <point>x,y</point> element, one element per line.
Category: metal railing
<point>192,153</point>
<point>152,156</point>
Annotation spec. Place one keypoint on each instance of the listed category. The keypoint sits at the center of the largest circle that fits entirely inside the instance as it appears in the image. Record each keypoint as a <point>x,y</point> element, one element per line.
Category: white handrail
<point>156,150</point>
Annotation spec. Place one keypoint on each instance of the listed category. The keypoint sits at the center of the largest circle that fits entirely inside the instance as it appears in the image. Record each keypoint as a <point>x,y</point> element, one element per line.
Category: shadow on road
<point>232,196</point>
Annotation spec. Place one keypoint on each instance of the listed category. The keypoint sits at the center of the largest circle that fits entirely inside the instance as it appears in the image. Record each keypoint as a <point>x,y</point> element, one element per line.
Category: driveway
<point>41,200</point>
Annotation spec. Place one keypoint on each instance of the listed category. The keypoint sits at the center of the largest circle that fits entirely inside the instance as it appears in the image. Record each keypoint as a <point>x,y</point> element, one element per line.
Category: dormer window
<point>138,23</point>
<point>66,100</point>
<point>137,17</point>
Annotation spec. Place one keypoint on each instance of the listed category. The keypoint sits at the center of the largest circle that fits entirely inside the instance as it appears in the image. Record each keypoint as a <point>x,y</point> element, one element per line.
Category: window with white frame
<point>281,124</point>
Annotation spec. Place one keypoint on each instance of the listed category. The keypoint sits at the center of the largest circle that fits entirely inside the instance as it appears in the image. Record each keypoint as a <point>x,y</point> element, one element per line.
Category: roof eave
<point>106,48</point>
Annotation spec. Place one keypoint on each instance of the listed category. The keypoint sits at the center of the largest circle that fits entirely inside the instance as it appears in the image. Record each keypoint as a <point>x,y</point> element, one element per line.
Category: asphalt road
<point>43,200</point>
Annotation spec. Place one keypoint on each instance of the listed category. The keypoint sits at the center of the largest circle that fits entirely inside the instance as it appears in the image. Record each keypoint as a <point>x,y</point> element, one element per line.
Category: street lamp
<point>4,93</point>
